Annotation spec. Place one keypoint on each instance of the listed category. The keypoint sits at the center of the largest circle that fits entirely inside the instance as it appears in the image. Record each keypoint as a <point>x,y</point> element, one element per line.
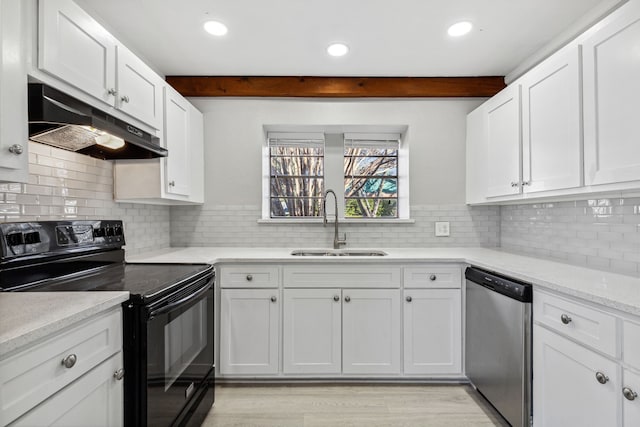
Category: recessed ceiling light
<point>337,49</point>
<point>460,29</point>
<point>215,28</point>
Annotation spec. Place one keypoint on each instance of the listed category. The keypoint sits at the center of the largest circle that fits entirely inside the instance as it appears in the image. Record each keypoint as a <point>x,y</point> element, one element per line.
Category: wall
<point>234,137</point>
<point>598,233</point>
<point>66,185</point>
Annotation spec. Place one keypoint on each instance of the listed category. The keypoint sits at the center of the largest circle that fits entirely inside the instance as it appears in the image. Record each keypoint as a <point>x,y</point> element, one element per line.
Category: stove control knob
<point>117,230</point>
<point>110,231</point>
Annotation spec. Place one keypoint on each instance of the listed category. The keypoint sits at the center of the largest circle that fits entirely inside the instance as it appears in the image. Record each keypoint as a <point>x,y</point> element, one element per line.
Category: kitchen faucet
<point>337,241</point>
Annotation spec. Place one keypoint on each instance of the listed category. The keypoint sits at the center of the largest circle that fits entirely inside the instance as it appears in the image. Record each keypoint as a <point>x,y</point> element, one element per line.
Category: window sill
<point>342,221</point>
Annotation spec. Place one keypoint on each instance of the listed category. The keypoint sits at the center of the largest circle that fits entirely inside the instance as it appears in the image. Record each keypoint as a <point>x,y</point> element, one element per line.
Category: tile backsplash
<point>237,226</point>
<point>67,185</point>
<point>597,233</point>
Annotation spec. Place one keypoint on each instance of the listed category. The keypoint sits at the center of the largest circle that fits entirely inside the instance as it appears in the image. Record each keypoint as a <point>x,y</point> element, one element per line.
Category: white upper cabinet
<point>14,165</point>
<point>176,136</point>
<point>503,142</point>
<point>551,139</point>
<point>476,156</point>
<point>73,47</point>
<point>611,93</point>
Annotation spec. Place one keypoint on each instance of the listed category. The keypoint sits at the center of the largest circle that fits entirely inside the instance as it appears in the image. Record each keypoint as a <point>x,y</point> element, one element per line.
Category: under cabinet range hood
<point>63,121</point>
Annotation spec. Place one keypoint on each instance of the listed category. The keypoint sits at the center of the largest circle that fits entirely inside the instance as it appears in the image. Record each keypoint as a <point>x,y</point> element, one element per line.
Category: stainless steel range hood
<point>63,121</point>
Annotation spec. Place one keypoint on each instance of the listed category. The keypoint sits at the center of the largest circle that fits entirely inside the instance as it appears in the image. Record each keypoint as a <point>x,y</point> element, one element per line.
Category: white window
<point>368,172</point>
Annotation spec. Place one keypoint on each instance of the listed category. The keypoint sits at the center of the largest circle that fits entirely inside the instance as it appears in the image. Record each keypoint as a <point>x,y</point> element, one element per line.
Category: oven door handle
<point>169,307</point>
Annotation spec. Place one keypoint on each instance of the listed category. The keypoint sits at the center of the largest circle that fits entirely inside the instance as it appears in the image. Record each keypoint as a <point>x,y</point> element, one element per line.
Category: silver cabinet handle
<point>119,374</point>
<point>249,277</point>
<point>408,298</point>
<point>629,394</point>
<point>112,91</point>
<point>70,361</point>
<point>16,149</point>
<point>602,378</point>
<point>124,98</point>
<point>526,183</point>
<point>274,299</point>
<point>515,184</point>
<point>433,277</point>
<point>347,298</point>
<point>336,298</point>
<point>565,319</point>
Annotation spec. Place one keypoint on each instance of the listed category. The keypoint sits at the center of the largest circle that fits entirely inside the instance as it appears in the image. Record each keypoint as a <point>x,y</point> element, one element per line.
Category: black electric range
<point>168,320</point>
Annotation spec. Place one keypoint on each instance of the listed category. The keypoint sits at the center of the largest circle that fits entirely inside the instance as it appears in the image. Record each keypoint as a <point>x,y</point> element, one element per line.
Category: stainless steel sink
<point>338,252</point>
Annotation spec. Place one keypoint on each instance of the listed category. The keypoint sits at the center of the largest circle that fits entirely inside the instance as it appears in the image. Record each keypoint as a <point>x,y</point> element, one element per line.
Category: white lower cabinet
<point>249,331</point>
<point>432,331</point>
<point>573,386</point>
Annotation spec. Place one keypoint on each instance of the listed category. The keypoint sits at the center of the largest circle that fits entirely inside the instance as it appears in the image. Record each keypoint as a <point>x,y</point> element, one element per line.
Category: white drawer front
<point>249,276</point>
<point>433,276</point>
<point>631,344</point>
<point>37,372</point>
<point>583,323</point>
<point>341,276</point>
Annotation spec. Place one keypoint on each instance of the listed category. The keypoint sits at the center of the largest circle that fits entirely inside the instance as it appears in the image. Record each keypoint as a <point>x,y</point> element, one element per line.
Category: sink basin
<point>338,252</point>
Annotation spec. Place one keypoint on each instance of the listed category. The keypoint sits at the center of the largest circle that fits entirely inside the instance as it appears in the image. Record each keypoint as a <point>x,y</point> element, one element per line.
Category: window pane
<point>371,166</point>
<point>296,207</point>
<point>369,151</point>
<point>296,187</point>
<point>370,187</point>
<point>294,150</point>
<point>297,166</point>
<point>371,208</point>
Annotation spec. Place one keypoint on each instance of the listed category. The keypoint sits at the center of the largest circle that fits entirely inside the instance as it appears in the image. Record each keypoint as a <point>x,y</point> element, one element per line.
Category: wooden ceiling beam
<point>337,87</point>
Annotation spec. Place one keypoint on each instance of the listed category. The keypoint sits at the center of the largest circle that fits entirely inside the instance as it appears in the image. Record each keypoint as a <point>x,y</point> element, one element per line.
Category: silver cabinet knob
<point>124,98</point>
<point>629,394</point>
<point>69,361</point>
<point>273,298</point>
<point>347,298</point>
<point>602,378</point>
<point>526,183</point>
<point>433,277</point>
<point>172,183</point>
<point>249,277</point>
<point>565,319</point>
<point>119,374</point>
<point>408,298</point>
<point>16,149</point>
<point>112,91</point>
<point>515,184</point>
<point>336,298</point>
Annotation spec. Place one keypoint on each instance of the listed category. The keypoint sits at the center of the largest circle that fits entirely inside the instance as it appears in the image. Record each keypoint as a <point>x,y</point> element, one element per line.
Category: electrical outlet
<point>442,228</point>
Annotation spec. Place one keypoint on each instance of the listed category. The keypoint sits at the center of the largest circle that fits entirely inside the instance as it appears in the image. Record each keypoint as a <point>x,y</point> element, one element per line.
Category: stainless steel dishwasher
<point>498,342</point>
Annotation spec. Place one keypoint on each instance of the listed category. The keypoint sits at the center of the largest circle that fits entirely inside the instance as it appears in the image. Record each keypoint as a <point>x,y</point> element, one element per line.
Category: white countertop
<point>609,289</point>
<point>26,317</point>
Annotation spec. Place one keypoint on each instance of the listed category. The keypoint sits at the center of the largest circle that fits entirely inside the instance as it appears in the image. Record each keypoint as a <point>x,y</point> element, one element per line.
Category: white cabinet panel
<point>565,389</point>
<point>433,276</point>
<point>96,399</point>
<point>611,94</point>
<point>476,156</point>
<point>312,334</point>
<point>551,139</point>
<point>371,331</point>
<point>631,343</point>
<point>75,49</point>
<point>630,399</point>
<point>249,331</point>
<point>432,331</point>
<point>339,275</point>
<point>14,156</point>
<point>176,138</point>
<point>503,142</point>
<point>249,276</point>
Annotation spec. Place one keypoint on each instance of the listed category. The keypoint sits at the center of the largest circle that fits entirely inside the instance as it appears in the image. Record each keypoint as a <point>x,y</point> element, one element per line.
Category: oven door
<point>180,355</point>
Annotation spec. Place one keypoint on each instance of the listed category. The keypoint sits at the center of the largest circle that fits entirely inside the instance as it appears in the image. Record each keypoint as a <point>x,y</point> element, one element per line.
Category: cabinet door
<point>503,142</point>
<point>432,331</point>
<point>74,48</point>
<point>565,389</point>
<point>312,331</point>
<point>139,89</point>
<point>196,155</point>
<point>95,399</point>
<point>371,331</point>
<point>611,94</point>
<point>476,156</point>
<point>249,331</point>
<point>176,135</point>
<point>631,401</point>
<point>551,138</point>
<point>14,165</point>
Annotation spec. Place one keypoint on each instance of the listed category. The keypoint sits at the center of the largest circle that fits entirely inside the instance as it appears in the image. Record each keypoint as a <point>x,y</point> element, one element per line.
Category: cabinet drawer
<point>249,276</point>
<point>37,372</point>
<point>341,276</point>
<point>631,343</point>
<point>578,321</point>
<point>432,276</point>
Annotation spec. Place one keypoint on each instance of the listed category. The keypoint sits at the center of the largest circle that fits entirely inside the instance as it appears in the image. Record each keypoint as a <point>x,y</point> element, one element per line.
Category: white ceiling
<point>289,37</point>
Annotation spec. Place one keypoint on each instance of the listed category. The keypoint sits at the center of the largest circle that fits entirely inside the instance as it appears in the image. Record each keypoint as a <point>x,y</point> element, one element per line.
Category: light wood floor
<point>350,405</point>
